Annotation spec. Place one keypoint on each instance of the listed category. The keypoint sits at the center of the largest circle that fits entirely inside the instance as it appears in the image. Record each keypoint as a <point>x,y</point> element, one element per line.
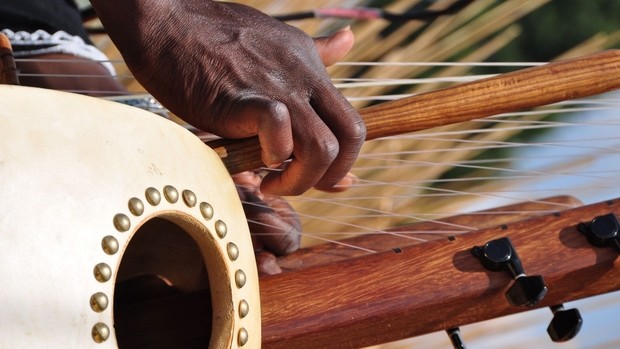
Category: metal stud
<point>242,337</point>
<point>189,198</point>
<point>244,308</point>
<point>100,332</point>
<point>136,207</point>
<point>153,196</point>
<point>109,244</point>
<point>233,251</point>
<point>221,229</point>
<point>206,210</point>
<point>171,194</point>
<point>240,278</point>
<point>99,302</point>
<point>102,272</point>
<point>122,222</point>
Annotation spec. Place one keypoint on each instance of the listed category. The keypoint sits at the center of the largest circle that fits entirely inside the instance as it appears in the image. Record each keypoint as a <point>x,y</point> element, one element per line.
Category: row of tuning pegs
<point>565,325</point>
<point>527,290</point>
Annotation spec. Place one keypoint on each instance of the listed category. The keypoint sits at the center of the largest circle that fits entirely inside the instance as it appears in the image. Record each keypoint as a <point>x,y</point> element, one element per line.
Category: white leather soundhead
<point>94,193</point>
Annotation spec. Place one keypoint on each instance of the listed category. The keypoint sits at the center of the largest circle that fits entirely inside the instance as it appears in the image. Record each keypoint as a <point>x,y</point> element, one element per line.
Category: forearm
<point>131,24</point>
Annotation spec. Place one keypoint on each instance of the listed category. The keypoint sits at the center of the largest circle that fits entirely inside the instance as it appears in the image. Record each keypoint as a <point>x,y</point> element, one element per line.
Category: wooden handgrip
<point>519,90</point>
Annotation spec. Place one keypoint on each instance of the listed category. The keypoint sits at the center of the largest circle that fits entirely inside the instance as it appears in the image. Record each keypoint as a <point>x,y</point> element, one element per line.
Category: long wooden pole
<point>433,286</point>
<point>519,90</point>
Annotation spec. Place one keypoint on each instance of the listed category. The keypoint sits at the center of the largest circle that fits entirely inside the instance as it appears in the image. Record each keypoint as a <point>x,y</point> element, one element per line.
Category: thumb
<point>334,47</point>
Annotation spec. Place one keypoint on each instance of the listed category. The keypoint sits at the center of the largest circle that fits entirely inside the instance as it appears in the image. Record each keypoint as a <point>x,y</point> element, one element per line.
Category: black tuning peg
<point>500,254</point>
<point>602,231</point>
<point>455,338</point>
<point>565,324</point>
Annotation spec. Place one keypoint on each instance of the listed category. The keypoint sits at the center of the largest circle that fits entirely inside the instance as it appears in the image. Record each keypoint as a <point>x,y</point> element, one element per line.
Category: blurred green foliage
<point>560,25</point>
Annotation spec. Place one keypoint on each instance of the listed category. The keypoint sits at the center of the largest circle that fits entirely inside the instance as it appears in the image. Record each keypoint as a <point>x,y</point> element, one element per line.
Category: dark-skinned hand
<point>275,226</point>
<point>233,71</point>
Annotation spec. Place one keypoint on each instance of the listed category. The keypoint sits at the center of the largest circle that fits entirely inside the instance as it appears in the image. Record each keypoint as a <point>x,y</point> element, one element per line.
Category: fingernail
<point>345,183</point>
<point>347,27</point>
<point>274,164</point>
<point>267,263</point>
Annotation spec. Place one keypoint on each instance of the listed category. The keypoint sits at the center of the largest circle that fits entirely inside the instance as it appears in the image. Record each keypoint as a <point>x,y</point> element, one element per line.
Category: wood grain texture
<point>433,286</point>
<point>519,90</point>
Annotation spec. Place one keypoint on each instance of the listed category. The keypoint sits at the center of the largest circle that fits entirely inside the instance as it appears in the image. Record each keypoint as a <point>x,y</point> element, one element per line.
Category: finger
<point>264,117</point>
<point>273,223</point>
<point>346,125</point>
<point>334,47</point>
<point>247,179</point>
<point>266,263</point>
<point>345,183</point>
<point>314,151</point>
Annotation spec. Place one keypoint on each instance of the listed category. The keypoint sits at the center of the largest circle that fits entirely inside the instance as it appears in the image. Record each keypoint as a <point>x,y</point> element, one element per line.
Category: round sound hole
<point>162,297</point>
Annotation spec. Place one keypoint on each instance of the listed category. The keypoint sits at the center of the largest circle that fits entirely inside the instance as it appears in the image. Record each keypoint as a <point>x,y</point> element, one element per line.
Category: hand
<point>233,71</point>
<point>273,223</point>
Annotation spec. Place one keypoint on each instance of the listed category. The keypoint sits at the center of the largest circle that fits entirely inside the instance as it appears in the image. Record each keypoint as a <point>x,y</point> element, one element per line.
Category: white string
<point>441,64</point>
<point>343,210</point>
<point>578,144</point>
<point>365,83</point>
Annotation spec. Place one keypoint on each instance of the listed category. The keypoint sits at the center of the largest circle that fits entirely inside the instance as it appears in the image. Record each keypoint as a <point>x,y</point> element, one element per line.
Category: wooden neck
<point>409,291</point>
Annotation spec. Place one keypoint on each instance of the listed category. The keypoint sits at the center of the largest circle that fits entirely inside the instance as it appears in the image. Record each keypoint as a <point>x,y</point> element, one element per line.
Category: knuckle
<point>275,115</point>
<point>288,245</point>
<point>275,109</point>
<point>328,148</point>
<point>287,241</point>
<point>358,131</point>
<point>278,112</point>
